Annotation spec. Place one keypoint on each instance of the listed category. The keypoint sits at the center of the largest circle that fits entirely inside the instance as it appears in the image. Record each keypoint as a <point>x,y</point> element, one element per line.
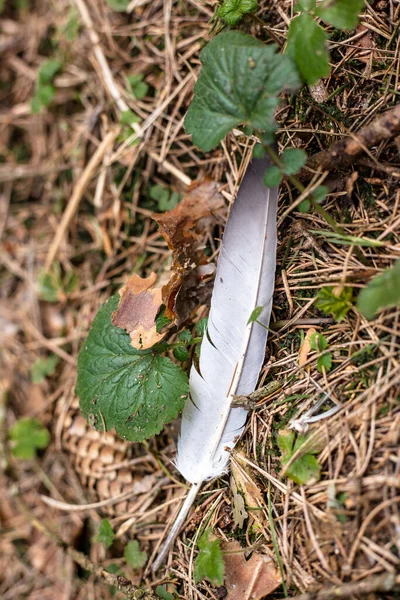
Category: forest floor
<point>77,194</point>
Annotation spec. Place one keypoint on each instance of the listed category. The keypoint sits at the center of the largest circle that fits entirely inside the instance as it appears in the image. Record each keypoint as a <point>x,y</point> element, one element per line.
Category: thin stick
<point>77,195</point>
<point>380,583</point>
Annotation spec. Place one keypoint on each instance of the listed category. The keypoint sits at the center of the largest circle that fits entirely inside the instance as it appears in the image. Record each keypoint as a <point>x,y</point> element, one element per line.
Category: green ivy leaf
<point>239,83</point>
<point>273,176</point>
<point>305,468</point>
<point>43,367</point>
<point>342,14</point>
<point>306,46</point>
<point>28,436</point>
<point>336,302</point>
<point>135,392</point>
<point>133,556</point>
<point>209,563</point>
<point>105,533</point>
<point>382,292</point>
<point>293,160</point>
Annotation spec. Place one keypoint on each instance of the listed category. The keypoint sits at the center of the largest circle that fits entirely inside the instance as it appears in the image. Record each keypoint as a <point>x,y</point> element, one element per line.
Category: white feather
<point>232,352</point>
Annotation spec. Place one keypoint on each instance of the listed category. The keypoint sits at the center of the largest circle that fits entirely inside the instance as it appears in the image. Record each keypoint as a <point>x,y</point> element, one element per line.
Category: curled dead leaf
<point>251,579</point>
<point>184,228</point>
<point>137,310</point>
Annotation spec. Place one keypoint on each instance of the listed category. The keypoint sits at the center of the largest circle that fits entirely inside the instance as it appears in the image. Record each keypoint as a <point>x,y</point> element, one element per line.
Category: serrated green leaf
<point>28,436</point>
<point>342,14</point>
<point>232,11</point>
<point>135,392</point>
<point>184,336</point>
<point>133,556</point>
<point>239,83</point>
<point>255,314</point>
<point>273,176</point>
<point>105,533</point>
<point>306,46</point>
<point>335,302</point>
<point>293,160</point>
<point>43,367</point>
<point>162,320</point>
<point>382,292</point>
<point>181,353</point>
<point>209,563</point>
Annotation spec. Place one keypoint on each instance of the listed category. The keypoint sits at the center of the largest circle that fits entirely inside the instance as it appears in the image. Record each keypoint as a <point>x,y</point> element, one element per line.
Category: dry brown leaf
<point>184,228</point>
<point>137,310</point>
<point>305,347</point>
<point>251,579</point>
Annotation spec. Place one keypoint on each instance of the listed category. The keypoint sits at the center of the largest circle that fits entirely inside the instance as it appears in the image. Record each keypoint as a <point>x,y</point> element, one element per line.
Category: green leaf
<point>306,467</point>
<point>320,193</point>
<point>162,320</point>
<point>118,5</point>
<point>258,151</point>
<point>48,71</point>
<point>324,362</point>
<point>239,83</point>
<point>382,292</point>
<point>184,336</point>
<point>306,46</point>
<point>273,176</point>
<point>163,593</point>
<point>305,5</point>
<point>293,160</point>
<point>128,117</point>
<point>28,436</point>
<point>201,326</point>
<point>209,563</point>
<point>232,11</point>
<point>318,342</point>
<point>342,14</point>
<point>350,240</point>
<point>335,301</point>
<point>44,95</point>
<point>138,87</point>
<point>304,206</point>
<point>255,314</point>
<point>133,556</point>
<point>181,353</point>
<point>105,533</point>
<point>135,392</point>
<point>43,367</point>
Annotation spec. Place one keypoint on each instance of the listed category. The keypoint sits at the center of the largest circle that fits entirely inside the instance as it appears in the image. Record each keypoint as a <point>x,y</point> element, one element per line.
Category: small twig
<point>77,194</point>
<point>344,153</point>
<point>250,401</point>
<point>380,583</point>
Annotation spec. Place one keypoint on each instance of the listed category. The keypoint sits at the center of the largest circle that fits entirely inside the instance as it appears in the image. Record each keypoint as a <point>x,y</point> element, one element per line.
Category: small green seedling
<point>105,534</point>
<point>304,469</point>
<point>45,90</point>
<point>335,301</point>
<point>319,343</point>
<point>209,562</point>
<point>133,556</point>
<point>43,367</point>
<point>27,436</point>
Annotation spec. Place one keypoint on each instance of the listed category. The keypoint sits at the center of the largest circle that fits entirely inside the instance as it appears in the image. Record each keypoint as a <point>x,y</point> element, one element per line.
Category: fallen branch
<point>379,583</point>
<point>345,151</point>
